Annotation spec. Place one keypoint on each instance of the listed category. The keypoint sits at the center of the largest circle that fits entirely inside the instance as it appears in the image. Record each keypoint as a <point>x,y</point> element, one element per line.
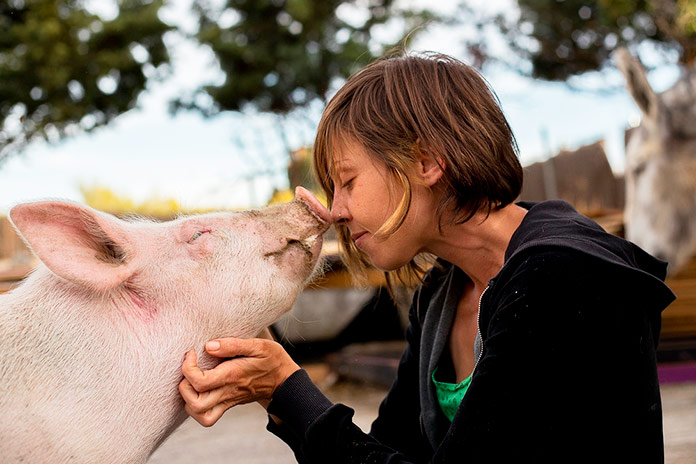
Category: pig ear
<point>74,242</point>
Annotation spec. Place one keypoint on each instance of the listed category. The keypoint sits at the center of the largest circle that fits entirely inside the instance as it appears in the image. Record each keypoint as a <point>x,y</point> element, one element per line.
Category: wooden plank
<point>679,319</point>
<point>612,222</point>
<point>687,272</point>
<point>10,243</point>
<point>7,286</point>
<point>15,273</point>
<point>10,277</point>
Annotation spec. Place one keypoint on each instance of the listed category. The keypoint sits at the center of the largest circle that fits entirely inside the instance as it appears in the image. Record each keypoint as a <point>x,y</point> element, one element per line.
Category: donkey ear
<point>76,243</point>
<point>637,83</point>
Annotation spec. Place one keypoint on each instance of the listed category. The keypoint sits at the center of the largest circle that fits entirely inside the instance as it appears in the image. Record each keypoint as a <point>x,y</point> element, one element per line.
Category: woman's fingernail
<point>212,346</point>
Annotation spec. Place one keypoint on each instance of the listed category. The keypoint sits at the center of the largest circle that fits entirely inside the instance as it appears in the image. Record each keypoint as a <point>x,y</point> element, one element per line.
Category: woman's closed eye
<point>348,183</point>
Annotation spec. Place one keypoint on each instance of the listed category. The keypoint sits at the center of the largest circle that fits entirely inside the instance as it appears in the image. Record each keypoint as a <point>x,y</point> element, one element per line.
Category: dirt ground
<point>241,436</point>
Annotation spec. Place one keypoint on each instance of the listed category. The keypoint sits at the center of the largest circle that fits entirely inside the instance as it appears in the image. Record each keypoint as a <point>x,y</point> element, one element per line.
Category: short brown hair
<point>403,103</point>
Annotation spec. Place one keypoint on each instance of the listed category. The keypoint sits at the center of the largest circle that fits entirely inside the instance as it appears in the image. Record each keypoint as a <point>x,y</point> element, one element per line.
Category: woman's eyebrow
<point>344,167</point>
<point>346,173</point>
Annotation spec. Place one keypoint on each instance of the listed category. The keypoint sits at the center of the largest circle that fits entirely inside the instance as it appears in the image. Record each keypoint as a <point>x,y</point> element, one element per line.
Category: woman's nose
<point>339,215</point>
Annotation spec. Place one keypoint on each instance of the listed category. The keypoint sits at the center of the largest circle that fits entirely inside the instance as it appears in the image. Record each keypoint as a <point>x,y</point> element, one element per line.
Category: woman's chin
<point>386,264</point>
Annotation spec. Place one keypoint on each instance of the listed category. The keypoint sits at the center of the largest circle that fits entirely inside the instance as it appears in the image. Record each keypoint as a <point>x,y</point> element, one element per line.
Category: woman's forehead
<point>347,153</point>
<point>344,162</point>
<point>341,164</point>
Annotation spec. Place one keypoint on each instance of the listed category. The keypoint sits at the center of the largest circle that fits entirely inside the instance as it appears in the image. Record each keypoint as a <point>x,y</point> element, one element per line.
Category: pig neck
<point>94,355</point>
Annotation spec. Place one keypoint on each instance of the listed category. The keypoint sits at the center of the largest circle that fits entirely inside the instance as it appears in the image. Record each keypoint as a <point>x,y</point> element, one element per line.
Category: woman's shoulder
<point>551,263</point>
<point>554,235</point>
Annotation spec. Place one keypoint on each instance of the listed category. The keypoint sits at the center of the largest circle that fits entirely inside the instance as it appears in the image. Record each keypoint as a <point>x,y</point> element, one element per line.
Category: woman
<point>533,336</point>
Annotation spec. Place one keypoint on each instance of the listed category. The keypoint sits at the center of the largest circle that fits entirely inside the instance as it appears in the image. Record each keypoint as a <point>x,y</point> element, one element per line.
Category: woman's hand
<point>258,367</point>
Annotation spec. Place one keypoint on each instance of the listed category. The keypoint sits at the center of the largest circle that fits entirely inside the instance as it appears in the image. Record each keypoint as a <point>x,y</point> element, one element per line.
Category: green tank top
<point>450,395</point>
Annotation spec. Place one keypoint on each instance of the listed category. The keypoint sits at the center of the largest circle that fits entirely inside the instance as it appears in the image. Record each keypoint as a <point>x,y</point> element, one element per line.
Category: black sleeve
<point>320,432</point>
<point>297,403</point>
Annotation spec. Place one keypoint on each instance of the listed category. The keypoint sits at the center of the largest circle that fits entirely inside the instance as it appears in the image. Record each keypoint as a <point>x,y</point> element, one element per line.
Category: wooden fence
<point>10,244</point>
<point>679,319</point>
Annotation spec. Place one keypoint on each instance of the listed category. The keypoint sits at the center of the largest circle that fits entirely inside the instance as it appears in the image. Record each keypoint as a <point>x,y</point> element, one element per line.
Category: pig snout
<point>297,227</point>
<point>311,233</point>
<point>314,205</point>
<point>311,218</point>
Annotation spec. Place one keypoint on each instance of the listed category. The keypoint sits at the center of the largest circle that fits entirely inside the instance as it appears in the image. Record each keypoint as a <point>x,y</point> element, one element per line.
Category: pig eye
<point>197,234</point>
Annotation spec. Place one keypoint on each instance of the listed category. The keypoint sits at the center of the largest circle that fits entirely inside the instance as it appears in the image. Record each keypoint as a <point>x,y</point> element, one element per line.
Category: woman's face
<point>364,198</point>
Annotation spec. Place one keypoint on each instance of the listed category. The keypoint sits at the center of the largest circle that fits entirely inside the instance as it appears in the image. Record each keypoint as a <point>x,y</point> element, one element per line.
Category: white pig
<point>91,344</point>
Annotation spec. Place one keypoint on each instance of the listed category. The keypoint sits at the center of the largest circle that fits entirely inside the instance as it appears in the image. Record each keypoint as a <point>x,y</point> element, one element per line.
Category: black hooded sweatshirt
<point>566,368</point>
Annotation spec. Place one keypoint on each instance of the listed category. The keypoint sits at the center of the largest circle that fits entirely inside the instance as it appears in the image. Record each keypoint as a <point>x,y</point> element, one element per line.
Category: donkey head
<point>660,212</point>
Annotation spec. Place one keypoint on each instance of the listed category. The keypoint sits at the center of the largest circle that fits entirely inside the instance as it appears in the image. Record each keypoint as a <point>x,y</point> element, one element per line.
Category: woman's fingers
<point>201,380</point>
<point>234,380</point>
<point>233,347</point>
<point>256,369</point>
<point>266,357</point>
<point>199,402</point>
<point>207,407</point>
<point>210,416</point>
<point>190,365</point>
<point>204,381</point>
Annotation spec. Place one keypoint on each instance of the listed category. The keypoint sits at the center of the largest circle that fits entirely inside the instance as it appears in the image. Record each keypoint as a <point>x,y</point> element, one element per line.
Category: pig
<point>92,342</point>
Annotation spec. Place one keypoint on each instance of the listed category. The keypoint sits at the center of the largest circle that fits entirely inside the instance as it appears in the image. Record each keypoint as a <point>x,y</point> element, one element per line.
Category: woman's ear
<point>430,166</point>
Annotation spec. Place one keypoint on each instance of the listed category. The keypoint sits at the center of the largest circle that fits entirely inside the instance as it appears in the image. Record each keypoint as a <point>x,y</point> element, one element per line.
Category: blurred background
<point>169,107</point>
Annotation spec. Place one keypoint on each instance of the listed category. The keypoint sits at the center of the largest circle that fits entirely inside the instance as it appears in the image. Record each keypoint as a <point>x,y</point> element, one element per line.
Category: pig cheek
<point>255,295</point>
<point>296,264</point>
<point>280,300</point>
<point>276,284</point>
<point>292,271</point>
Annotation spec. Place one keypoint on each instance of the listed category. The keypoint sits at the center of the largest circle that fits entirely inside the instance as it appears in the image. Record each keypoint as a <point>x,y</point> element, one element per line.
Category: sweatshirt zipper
<point>478,324</point>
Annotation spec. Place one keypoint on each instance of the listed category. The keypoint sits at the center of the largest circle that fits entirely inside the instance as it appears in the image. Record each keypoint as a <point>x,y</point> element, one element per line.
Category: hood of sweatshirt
<point>556,223</point>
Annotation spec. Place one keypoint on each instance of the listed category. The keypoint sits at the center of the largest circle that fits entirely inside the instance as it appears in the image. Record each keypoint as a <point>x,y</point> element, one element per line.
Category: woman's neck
<point>478,246</point>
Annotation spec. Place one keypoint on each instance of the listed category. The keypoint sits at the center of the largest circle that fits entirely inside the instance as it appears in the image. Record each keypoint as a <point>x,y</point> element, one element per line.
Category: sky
<point>210,163</point>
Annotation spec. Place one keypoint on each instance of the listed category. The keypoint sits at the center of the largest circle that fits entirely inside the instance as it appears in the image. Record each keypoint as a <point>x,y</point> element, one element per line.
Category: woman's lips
<point>357,237</point>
